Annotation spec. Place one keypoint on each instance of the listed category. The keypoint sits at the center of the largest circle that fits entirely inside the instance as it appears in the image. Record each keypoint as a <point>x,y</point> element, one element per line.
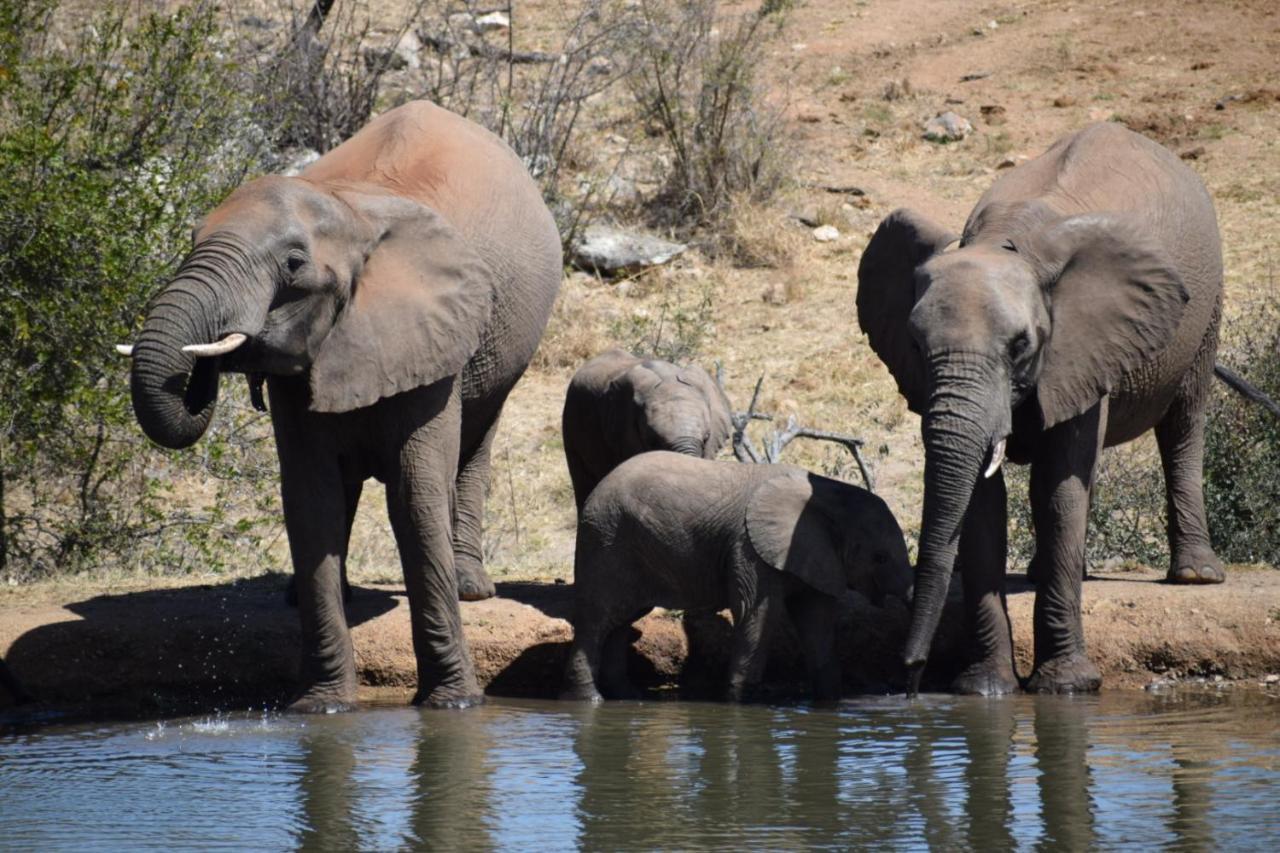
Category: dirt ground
<point>202,647</point>
<point>858,80</point>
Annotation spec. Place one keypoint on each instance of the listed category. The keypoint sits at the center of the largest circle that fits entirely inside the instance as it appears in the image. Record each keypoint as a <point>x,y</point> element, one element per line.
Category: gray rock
<point>826,233</point>
<point>947,127</point>
<point>608,251</point>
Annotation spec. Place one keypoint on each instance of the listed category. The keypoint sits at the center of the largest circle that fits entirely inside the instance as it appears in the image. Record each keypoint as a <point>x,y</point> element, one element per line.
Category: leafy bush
<point>695,80</point>
<point>1242,449</point>
<point>1126,511</point>
<point>679,328</point>
<point>113,138</point>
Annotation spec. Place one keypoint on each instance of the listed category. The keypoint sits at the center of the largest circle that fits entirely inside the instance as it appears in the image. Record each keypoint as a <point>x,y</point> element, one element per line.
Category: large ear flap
<point>1115,298</point>
<point>790,531</point>
<point>420,304</point>
<point>886,295</point>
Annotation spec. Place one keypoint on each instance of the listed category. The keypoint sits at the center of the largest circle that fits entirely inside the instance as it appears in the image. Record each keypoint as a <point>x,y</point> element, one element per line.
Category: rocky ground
<point>859,82</point>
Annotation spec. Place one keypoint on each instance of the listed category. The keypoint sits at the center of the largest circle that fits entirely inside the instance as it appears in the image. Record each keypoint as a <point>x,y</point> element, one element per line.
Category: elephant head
<point>1035,312</point>
<point>371,293</point>
<point>830,535</point>
<point>672,408</point>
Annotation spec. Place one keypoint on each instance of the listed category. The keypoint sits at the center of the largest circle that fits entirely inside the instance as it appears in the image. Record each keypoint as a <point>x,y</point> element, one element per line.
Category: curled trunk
<point>174,393</point>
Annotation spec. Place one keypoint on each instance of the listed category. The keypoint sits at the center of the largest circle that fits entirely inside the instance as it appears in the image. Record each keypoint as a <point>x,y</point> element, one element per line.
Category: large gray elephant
<point>669,530</point>
<point>392,294</point>
<point>1079,310</point>
<point>618,406</point>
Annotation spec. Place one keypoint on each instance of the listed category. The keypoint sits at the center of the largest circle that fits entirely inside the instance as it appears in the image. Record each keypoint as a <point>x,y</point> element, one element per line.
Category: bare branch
<point>1246,389</point>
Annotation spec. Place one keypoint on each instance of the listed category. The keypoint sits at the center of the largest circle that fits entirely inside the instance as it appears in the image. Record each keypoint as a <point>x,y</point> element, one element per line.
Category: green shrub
<point>1242,449</point>
<point>116,132</point>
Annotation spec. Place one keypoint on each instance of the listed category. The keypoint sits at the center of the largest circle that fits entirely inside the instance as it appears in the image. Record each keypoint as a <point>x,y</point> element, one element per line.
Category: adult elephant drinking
<point>1080,309</point>
<point>392,294</point>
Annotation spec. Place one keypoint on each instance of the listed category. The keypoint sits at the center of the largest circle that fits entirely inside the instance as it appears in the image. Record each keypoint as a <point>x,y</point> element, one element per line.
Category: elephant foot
<point>986,678</point>
<point>1073,673</point>
<point>449,698</point>
<point>1197,565</point>
<point>323,702</point>
<point>474,583</point>
<point>291,592</point>
<point>581,693</point>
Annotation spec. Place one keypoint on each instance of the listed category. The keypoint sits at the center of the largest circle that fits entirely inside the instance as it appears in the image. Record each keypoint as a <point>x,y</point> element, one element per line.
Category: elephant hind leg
<point>474,584</point>
<point>1180,436</point>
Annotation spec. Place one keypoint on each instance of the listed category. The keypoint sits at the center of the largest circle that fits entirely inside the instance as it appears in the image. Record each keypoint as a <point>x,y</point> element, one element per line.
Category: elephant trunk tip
<point>915,671</point>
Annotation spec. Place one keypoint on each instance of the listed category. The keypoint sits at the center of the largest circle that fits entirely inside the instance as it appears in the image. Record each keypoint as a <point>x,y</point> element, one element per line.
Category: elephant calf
<point>618,406</point>
<point>668,530</point>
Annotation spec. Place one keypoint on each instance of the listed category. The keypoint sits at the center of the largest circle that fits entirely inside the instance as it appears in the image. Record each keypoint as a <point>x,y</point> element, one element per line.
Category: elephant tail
<point>1246,389</point>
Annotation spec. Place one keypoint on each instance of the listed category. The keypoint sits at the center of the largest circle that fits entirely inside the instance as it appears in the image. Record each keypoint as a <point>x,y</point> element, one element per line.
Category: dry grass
<point>805,338</point>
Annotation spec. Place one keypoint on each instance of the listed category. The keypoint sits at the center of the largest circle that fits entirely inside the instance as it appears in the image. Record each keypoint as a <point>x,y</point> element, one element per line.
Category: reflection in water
<point>949,772</point>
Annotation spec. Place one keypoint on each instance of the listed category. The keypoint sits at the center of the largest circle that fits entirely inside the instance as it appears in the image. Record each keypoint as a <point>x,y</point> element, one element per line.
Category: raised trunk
<point>174,393</point>
<point>963,420</point>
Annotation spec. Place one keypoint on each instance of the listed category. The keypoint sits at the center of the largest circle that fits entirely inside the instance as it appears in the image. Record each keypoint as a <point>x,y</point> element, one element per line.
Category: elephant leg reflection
<point>1193,789</point>
<point>1062,743</point>
<point>989,728</point>
<point>926,790</point>
<point>451,789</point>
<point>474,583</point>
<point>328,791</point>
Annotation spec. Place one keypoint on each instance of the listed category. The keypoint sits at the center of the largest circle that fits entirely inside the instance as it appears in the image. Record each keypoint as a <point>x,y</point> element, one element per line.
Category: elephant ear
<point>1116,300</point>
<point>887,293</point>
<point>419,306</point>
<point>790,530</point>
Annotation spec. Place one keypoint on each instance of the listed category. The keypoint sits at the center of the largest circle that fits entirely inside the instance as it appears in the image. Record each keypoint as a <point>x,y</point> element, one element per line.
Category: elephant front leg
<point>1068,458</point>
<point>747,657</point>
<point>815,616</point>
<point>982,555</point>
<point>474,584</point>
<point>314,516</point>
<point>420,503</point>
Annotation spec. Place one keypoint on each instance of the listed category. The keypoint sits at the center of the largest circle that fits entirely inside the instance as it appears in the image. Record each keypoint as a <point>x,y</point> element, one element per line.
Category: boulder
<point>609,251</point>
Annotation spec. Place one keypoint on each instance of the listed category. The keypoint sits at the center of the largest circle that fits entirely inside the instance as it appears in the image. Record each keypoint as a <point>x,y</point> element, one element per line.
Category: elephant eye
<point>1008,246</point>
<point>1019,345</point>
<point>295,261</point>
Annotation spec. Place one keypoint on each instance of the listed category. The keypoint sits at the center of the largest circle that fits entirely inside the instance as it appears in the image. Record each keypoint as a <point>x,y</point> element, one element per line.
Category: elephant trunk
<point>963,430</point>
<point>213,294</point>
<point>688,445</point>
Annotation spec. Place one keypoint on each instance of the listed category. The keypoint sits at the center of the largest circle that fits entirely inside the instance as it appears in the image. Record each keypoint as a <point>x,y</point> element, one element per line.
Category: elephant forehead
<point>978,294</point>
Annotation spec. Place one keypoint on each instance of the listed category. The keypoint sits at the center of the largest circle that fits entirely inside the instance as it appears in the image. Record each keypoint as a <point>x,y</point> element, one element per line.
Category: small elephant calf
<point>668,530</point>
<point>619,405</point>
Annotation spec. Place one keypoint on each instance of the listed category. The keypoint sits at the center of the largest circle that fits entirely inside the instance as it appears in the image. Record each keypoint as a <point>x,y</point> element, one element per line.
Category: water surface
<point>1185,771</point>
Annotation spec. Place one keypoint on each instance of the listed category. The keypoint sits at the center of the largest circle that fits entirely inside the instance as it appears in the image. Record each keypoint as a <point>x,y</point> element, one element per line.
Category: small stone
<point>826,233</point>
<point>1064,101</point>
<point>947,127</point>
<point>1193,153</point>
<point>1271,678</point>
<point>492,21</point>
<point>1007,163</point>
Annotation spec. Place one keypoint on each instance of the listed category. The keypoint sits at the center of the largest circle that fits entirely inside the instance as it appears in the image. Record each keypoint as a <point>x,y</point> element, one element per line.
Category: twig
<point>442,44</point>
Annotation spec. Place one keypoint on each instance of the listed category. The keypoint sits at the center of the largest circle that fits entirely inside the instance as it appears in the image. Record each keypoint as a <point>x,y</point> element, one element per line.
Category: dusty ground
<point>205,647</point>
<point>858,79</point>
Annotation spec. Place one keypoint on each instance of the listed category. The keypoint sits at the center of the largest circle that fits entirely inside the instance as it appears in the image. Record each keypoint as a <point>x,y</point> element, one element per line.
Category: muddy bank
<point>200,648</point>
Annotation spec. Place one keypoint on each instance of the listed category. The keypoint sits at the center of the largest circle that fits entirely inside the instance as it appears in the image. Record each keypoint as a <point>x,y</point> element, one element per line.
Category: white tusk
<point>125,350</point>
<point>997,458</point>
<point>222,347</point>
